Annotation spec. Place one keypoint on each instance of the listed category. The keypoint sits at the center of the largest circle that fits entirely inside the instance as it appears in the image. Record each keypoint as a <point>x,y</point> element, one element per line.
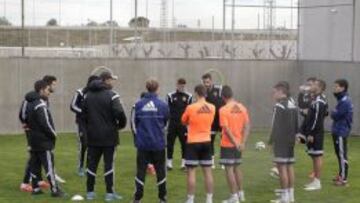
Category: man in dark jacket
<point>213,96</point>
<point>42,139</point>
<point>342,117</point>
<point>314,131</point>
<point>177,101</point>
<point>104,116</point>
<point>283,133</point>
<point>151,116</point>
<point>76,107</point>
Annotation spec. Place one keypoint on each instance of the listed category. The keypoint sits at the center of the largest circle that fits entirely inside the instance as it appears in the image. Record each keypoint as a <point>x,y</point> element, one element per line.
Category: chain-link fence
<point>221,29</point>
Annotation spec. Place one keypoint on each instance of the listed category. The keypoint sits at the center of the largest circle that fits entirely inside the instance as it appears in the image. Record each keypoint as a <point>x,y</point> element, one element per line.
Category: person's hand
<point>310,139</point>
<point>241,147</point>
<point>305,111</point>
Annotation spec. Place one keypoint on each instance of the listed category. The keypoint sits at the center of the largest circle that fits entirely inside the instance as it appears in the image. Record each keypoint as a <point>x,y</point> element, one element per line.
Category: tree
<point>141,22</point>
<point>4,22</point>
<point>109,23</point>
<point>52,22</point>
<point>92,23</point>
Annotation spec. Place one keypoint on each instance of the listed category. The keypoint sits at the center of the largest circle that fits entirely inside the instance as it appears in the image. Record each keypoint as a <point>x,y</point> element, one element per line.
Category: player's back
<point>199,118</point>
<point>233,115</point>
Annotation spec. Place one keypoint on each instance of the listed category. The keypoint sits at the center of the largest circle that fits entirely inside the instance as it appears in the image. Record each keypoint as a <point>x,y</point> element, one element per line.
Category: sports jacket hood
<point>32,96</point>
<point>97,85</point>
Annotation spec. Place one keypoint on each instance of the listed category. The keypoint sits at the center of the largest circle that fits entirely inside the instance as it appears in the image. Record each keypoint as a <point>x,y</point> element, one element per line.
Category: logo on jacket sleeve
<point>150,106</point>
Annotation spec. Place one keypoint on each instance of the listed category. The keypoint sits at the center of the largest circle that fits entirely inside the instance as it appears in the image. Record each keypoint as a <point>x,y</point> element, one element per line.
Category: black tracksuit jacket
<point>103,115</point>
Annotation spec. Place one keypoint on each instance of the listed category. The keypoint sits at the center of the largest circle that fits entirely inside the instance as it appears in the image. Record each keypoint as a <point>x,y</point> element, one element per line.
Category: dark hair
<point>142,95</point>
<point>40,85</point>
<point>181,81</point>
<point>322,84</point>
<point>200,90</point>
<point>152,85</point>
<point>92,78</point>
<point>343,83</point>
<point>227,92</point>
<point>49,79</point>
<point>311,79</point>
<point>207,76</point>
<point>286,85</point>
<point>283,87</point>
<point>105,76</point>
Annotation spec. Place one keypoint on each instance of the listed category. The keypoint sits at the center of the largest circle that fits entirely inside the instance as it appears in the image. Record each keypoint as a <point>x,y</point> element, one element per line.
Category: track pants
<point>82,145</point>
<point>213,137</point>
<point>157,158</point>
<point>340,145</point>
<point>44,159</point>
<point>93,159</point>
<point>175,131</point>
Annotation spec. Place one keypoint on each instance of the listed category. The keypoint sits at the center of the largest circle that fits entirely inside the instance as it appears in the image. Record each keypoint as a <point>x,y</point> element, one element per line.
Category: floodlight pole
<point>22,29</point>
<point>111,28</point>
<point>224,27</point>
<point>232,27</point>
<point>136,28</point>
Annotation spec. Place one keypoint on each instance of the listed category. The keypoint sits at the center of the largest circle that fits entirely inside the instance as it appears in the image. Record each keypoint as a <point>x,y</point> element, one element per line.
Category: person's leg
<point>27,173</point>
<point>213,138</point>
<point>82,146</point>
<point>171,137</point>
<point>337,152</point>
<point>158,158</point>
<point>191,181</point>
<point>343,158</point>
<point>291,182</point>
<point>346,159</point>
<point>93,158</point>
<point>284,181</point>
<point>317,163</point>
<point>47,160</point>
<point>141,165</point>
<point>209,182</point>
<point>182,139</point>
<point>239,182</point>
<point>231,179</point>
<point>109,158</point>
<point>35,171</point>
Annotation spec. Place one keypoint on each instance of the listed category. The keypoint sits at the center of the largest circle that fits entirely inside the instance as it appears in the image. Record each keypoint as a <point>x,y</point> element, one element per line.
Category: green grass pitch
<point>259,185</point>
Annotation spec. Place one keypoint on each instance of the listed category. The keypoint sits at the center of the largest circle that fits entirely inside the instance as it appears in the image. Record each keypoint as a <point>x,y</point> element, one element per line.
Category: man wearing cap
<point>103,116</point>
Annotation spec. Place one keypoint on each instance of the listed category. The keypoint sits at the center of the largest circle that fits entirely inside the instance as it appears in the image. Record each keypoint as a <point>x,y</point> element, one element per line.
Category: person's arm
<point>132,118</point>
<point>340,111</point>
<point>246,131</point>
<point>75,103</point>
<point>43,117</point>
<point>185,117</point>
<point>22,112</point>
<point>275,122</point>
<point>118,111</point>
<point>315,120</point>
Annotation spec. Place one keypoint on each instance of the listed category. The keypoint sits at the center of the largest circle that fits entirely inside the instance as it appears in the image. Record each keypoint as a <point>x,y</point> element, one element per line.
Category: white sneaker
<point>315,185</point>
<point>169,164</point>
<point>231,200</point>
<point>59,179</point>
<point>241,195</point>
<point>182,163</point>
<point>278,201</point>
<point>274,172</point>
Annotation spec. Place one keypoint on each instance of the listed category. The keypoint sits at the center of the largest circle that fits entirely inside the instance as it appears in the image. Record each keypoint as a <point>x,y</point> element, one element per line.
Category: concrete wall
<point>252,81</point>
<point>357,32</point>
<point>326,33</point>
<point>330,71</point>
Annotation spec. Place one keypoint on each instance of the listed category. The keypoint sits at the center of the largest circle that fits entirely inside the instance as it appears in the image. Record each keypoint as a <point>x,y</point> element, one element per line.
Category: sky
<point>192,13</point>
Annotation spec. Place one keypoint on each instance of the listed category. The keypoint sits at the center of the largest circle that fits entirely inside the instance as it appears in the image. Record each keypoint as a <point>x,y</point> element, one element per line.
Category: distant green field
<point>259,185</point>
